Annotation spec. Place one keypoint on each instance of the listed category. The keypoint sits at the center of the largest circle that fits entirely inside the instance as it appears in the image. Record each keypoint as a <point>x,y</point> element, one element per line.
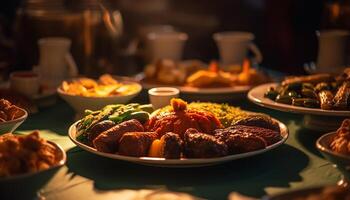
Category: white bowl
<point>81,103</point>
<point>10,126</point>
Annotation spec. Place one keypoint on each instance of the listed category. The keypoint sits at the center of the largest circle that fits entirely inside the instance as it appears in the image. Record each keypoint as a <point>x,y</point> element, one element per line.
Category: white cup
<point>165,45</point>
<point>55,62</point>
<point>161,96</point>
<point>25,82</point>
<point>233,47</point>
<point>332,50</point>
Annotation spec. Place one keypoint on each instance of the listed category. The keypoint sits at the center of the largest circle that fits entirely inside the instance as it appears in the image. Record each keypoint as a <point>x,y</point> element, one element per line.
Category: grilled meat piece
<point>241,143</point>
<point>326,99</point>
<point>168,146</point>
<point>98,128</point>
<point>259,121</point>
<point>270,136</point>
<point>342,97</point>
<point>136,144</point>
<point>201,145</point>
<point>108,140</point>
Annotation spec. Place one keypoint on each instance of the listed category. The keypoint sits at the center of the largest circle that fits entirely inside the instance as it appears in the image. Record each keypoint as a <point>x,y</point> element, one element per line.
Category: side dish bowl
<point>31,182</point>
<point>12,125</point>
<point>80,103</point>
<point>341,161</point>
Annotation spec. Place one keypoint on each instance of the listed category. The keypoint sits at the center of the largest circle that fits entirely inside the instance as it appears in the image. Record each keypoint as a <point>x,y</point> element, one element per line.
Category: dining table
<point>295,164</point>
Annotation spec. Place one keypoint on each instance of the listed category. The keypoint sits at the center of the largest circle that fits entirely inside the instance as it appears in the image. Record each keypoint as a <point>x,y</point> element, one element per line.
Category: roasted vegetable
<point>284,99</point>
<point>116,113</point>
<point>308,79</point>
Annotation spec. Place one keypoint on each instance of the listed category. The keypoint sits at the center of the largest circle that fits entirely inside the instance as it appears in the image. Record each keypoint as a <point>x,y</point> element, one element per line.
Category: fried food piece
<point>201,145</point>
<point>9,111</point>
<point>168,146</point>
<point>22,154</point>
<point>98,128</point>
<point>108,141</point>
<point>326,99</point>
<point>136,144</point>
<point>259,121</point>
<point>342,97</point>
<point>341,142</point>
<point>316,78</point>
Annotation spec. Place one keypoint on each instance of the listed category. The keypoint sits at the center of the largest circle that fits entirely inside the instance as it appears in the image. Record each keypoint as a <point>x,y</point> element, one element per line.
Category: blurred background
<point>106,34</point>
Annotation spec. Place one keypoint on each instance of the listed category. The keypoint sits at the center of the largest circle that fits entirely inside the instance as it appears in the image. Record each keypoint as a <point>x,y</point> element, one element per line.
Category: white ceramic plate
<point>183,162</point>
<point>205,91</point>
<point>256,95</point>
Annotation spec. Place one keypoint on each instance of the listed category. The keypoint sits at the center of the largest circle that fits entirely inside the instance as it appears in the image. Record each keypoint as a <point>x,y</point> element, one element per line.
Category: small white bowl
<point>161,96</point>
<point>10,126</point>
<point>81,103</point>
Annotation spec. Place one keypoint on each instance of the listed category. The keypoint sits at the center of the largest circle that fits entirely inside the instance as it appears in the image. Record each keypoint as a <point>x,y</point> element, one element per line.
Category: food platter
<point>256,95</point>
<point>178,163</point>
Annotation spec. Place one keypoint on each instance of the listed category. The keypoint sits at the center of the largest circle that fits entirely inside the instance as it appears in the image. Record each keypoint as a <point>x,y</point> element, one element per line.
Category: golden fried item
<point>341,142</point>
<point>9,111</point>
<point>105,86</point>
<point>22,154</point>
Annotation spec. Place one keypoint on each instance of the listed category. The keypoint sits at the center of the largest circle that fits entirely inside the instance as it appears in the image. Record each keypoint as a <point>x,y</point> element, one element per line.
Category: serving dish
<point>30,182</point>
<point>335,147</point>
<point>14,115</point>
<point>81,102</point>
<point>169,133</point>
<point>315,118</point>
<point>178,163</point>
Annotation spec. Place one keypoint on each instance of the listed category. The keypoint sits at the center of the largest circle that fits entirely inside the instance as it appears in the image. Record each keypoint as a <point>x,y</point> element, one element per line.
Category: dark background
<point>284,29</point>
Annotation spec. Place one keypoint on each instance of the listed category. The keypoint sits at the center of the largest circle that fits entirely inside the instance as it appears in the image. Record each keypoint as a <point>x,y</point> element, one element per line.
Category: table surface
<point>87,176</point>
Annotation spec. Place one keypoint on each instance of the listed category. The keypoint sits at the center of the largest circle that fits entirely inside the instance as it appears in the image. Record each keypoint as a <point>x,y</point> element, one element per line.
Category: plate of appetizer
<point>317,96</point>
<point>27,162</point>
<point>11,116</point>
<point>196,78</point>
<point>335,147</point>
<point>178,135</point>
<point>85,93</point>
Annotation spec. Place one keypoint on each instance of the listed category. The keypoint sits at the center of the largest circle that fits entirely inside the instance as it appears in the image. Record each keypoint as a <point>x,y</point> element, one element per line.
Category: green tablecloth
<point>86,176</point>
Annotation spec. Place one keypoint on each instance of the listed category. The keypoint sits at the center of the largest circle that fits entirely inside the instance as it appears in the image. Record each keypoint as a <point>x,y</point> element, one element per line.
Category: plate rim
<point>183,162</point>
<point>268,103</point>
<point>205,91</point>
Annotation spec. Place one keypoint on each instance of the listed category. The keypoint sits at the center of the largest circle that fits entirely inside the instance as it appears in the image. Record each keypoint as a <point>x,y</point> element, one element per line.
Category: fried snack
<point>342,97</point>
<point>201,145</point>
<point>104,87</point>
<point>341,142</point>
<point>168,146</point>
<point>9,111</point>
<point>326,99</point>
<point>180,119</point>
<point>23,154</point>
<point>136,144</point>
<point>108,141</point>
